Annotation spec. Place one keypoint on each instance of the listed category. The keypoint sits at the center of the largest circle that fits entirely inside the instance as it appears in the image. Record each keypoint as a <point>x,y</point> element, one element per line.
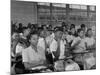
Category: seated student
<point>23,40</point>
<point>72,34</point>
<point>72,30</point>
<point>90,45</point>
<point>24,37</point>
<point>78,45</point>
<point>79,42</point>
<point>55,44</point>
<point>25,33</point>
<point>14,42</point>
<point>33,56</point>
<point>83,27</point>
<point>16,54</point>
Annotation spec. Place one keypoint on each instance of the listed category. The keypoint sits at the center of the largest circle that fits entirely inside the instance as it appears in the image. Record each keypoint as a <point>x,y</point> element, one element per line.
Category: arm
<point>13,48</point>
<point>74,44</point>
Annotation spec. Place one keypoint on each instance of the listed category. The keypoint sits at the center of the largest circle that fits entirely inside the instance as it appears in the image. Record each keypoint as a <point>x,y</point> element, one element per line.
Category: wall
<point>23,12</point>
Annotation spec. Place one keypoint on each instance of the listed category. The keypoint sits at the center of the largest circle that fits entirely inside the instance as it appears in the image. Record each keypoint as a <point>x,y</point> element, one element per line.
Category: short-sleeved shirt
<point>62,49</point>
<point>41,43</point>
<point>30,55</point>
<point>90,41</point>
<point>70,38</point>
<point>54,47</point>
<point>19,48</point>
<point>81,46</point>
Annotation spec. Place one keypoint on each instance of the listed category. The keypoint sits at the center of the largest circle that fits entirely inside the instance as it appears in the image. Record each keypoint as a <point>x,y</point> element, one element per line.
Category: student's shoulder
<point>27,49</point>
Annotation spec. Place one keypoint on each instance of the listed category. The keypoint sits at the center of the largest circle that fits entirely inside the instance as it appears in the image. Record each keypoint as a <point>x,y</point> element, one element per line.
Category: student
<point>83,27</point>
<point>89,58</point>
<point>72,30</point>
<point>14,42</point>
<point>33,56</point>
<point>78,45</point>
<point>79,42</point>
<point>26,32</point>
<point>20,27</point>
<point>23,41</point>
<point>55,46</point>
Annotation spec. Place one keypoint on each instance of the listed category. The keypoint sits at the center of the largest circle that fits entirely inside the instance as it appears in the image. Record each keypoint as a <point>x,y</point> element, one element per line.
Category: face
<point>26,32</point>
<point>42,34</point>
<point>64,28</point>
<point>83,28</point>
<point>90,33</point>
<point>73,30</point>
<point>44,28</point>
<point>34,40</point>
<point>58,34</point>
<point>47,33</point>
<point>15,36</point>
<point>81,33</point>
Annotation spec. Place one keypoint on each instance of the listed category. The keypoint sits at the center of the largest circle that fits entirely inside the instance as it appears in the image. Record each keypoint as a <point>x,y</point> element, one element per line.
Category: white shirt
<point>30,55</point>
<point>49,39</point>
<point>19,48</point>
<point>41,43</point>
<point>54,46</point>
<point>81,45</point>
<point>70,38</point>
<point>62,49</point>
<point>90,41</point>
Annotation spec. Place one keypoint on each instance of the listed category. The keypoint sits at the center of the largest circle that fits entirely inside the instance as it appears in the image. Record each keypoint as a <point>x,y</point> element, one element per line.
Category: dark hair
<point>72,26</point>
<point>33,33</point>
<point>20,24</point>
<point>57,29</point>
<point>87,31</point>
<point>79,30</point>
<point>82,25</point>
<point>24,28</point>
<point>63,23</point>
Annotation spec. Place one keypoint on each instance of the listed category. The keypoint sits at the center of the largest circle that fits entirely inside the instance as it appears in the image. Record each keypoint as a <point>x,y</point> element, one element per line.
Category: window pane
<point>59,5</point>
<point>44,3</point>
<point>92,8</point>
<point>43,13</point>
<point>84,7</point>
<point>74,6</point>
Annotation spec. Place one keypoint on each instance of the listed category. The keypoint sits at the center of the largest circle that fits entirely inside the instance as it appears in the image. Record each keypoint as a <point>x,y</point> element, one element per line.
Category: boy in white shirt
<point>33,56</point>
<point>79,42</point>
<point>78,46</point>
<point>89,58</point>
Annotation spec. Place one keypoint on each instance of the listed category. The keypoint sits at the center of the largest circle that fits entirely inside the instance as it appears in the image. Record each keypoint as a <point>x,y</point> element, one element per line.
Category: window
<point>43,13</point>
<point>44,3</point>
<point>59,13</point>
<point>59,5</point>
<point>92,8</point>
<point>75,6</point>
<point>84,7</point>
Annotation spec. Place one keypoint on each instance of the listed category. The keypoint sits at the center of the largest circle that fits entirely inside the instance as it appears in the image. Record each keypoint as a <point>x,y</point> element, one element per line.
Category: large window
<point>58,13</point>
<point>43,13</point>
<point>75,6</point>
<point>92,8</point>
